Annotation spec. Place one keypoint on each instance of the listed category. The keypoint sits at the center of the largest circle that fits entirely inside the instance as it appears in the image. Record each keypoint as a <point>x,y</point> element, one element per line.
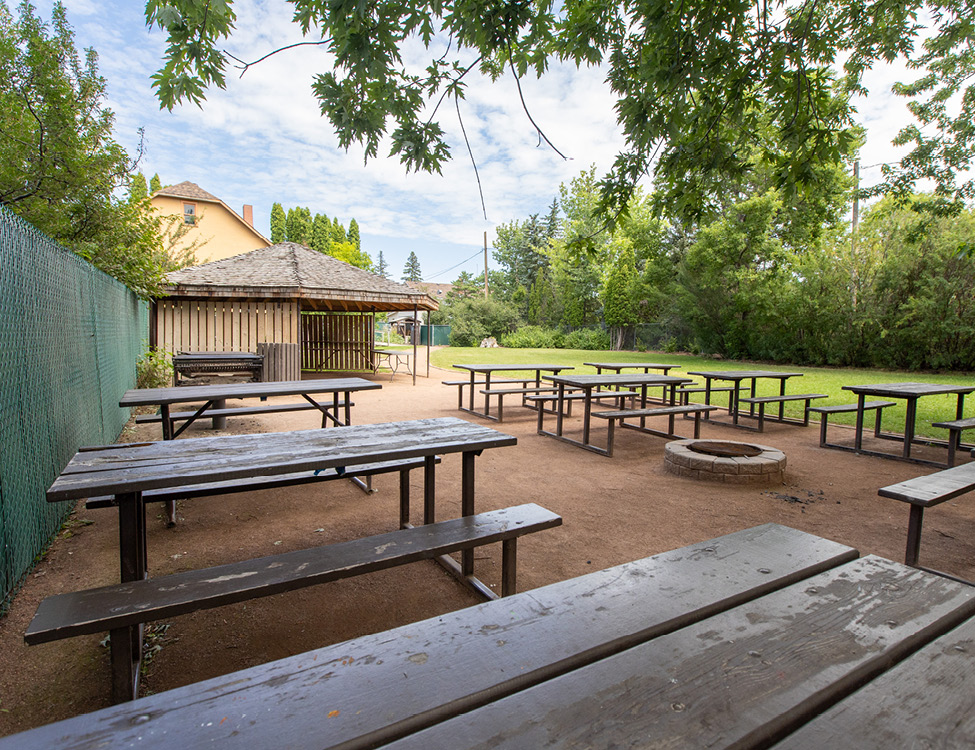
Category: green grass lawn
<point>814,379</point>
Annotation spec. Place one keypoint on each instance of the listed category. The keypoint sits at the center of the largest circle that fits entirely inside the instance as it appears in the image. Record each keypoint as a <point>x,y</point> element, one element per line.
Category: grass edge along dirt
<point>829,380</point>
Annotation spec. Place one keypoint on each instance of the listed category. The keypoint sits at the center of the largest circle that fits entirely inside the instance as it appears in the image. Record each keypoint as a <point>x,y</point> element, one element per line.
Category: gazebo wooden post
<point>415,313</point>
<point>429,341</point>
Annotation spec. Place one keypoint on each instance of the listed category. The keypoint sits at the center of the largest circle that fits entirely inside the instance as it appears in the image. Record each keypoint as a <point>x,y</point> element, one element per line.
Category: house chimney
<point>249,215</point>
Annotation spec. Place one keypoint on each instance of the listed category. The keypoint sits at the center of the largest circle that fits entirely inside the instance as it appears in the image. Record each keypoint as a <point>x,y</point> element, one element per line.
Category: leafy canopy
<point>699,83</point>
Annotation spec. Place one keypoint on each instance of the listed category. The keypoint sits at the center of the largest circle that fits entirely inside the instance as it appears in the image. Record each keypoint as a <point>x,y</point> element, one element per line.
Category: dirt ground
<point>614,510</point>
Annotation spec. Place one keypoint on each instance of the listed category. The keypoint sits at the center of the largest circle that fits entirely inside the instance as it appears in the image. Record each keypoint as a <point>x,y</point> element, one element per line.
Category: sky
<point>263,139</point>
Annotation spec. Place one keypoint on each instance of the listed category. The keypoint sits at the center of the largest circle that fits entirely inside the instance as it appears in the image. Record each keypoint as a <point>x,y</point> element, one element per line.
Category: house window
<point>189,214</point>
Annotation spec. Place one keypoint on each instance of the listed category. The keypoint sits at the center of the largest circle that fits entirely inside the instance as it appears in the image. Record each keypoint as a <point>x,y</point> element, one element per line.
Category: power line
<point>448,270</point>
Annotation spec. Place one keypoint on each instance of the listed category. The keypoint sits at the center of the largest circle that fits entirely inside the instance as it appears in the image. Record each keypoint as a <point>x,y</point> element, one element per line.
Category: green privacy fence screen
<point>69,340</point>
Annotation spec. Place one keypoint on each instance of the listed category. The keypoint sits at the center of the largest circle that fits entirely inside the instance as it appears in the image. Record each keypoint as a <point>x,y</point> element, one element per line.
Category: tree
<point>354,234</point>
<point>61,167</point>
<point>155,184</point>
<point>298,225</point>
<point>321,233</point>
<point>687,76</point>
<point>381,267</point>
<point>278,220</point>
<point>411,271</point>
<point>347,252</point>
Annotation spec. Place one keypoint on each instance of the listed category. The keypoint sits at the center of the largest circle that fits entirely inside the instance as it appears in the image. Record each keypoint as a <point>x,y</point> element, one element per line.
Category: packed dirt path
<point>614,509</point>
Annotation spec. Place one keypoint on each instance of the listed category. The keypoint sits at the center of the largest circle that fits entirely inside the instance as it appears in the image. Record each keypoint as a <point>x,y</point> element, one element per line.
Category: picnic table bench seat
<point>239,411</point>
<point>955,427</point>
<point>826,410</point>
<point>522,391</point>
<point>656,411</point>
<point>925,492</point>
<point>761,401</point>
<point>118,607</point>
<point>467,381</point>
<point>542,398</point>
<point>249,484</point>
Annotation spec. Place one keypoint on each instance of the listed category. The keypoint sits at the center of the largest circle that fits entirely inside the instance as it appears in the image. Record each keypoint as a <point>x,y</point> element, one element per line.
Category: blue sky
<point>262,140</point>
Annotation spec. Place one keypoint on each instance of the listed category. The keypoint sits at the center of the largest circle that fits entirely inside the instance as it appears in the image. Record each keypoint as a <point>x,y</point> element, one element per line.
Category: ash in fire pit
<point>725,461</point>
<point>724,448</point>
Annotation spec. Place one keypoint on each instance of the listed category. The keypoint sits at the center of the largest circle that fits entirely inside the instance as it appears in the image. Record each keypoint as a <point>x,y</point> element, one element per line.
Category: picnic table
<point>523,390</point>
<point>909,392</point>
<point>587,384</point>
<point>737,377</point>
<point>767,637</point>
<point>127,471</point>
<point>393,359</point>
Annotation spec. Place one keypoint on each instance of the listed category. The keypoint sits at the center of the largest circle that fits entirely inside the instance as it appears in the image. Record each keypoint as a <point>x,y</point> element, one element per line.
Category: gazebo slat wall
<point>340,342</point>
<point>224,325</point>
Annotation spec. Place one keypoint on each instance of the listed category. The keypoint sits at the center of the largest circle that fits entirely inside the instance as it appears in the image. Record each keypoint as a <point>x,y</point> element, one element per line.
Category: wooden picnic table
<point>909,392</point>
<point>488,370</point>
<point>737,377</point>
<point>125,471</point>
<point>767,637</point>
<point>590,383</point>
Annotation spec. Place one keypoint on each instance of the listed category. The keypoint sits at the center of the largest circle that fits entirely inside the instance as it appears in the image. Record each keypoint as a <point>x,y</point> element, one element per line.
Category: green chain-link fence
<point>69,340</point>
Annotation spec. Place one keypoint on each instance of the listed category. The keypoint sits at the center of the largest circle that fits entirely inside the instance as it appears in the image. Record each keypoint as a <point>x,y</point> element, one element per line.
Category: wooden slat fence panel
<point>224,325</point>
<point>337,342</point>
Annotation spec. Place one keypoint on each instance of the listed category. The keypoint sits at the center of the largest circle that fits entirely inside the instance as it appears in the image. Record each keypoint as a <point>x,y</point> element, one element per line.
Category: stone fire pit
<point>725,461</point>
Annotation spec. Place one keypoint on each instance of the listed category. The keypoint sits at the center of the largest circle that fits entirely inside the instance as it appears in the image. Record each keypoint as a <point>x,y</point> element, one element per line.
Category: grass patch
<point>829,380</point>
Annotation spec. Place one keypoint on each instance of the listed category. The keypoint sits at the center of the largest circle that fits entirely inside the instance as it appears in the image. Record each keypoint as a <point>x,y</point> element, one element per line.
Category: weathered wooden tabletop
<point>175,463</point>
<point>764,636</point>
<point>177,395</point>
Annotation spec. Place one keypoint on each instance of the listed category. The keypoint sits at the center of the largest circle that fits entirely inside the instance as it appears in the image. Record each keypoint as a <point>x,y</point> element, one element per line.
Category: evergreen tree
<point>354,234</point>
<point>298,225</point>
<point>411,271</point>
<point>138,191</point>
<point>321,235</point>
<point>338,232</point>
<point>381,267</point>
<point>278,220</point>
<point>155,184</point>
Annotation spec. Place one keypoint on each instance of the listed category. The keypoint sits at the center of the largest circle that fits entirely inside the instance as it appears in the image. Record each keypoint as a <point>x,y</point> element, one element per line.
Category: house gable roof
<point>292,271</point>
<point>191,191</point>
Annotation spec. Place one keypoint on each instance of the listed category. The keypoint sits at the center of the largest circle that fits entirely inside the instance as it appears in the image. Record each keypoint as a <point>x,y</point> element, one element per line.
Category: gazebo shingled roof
<point>292,271</point>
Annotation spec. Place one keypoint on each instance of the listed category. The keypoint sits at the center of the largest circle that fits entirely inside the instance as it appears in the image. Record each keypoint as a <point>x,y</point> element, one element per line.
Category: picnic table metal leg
<point>126,643</point>
<point>219,423</point>
<point>909,421</point>
<point>587,416</point>
<point>858,434</point>
<point>471,395</point>
<point>559,415</point>
<point>782,403</point>
<point>429,489</point>
<point>467,506</point>
<point>487,398</point>
<point>404,498</point>
<point>509,566</point>
<point>914,535</point>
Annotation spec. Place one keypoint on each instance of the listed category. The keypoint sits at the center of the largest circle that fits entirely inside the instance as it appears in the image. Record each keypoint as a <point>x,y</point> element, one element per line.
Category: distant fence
<point>69,340</point>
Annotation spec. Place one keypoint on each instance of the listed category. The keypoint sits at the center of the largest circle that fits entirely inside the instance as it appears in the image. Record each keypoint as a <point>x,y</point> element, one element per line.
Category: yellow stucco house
<point>208,219</point>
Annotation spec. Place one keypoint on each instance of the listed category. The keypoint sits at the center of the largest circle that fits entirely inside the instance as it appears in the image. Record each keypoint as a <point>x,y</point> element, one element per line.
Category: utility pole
<point>485,266</point>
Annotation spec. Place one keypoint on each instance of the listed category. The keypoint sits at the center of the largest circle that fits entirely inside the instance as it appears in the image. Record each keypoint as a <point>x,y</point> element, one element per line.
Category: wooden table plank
<point>186,394</point>
<point>742,678</point>
<point>925,701</point>
<point>362,692</point>
<point>151,465</point>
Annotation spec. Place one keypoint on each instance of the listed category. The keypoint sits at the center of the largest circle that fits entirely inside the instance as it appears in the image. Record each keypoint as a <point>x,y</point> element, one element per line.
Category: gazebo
<point>285,294</point>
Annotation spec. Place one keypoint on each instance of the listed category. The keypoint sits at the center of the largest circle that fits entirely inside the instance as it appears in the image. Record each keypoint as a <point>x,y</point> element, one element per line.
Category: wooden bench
<point>684,394</point>
<point>955,428</point>
<point>925,492</point>
<point>523,392</point>
<point>761,401</point>
<point>239,411</point>
<point>461,383</point>
<point>228,487</point>
<point>669,411</point>
<point>825,411</point>
<point>122,606</point>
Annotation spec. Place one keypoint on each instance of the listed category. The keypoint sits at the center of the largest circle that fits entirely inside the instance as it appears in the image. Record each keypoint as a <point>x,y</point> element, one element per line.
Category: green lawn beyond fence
<point>814,379</point>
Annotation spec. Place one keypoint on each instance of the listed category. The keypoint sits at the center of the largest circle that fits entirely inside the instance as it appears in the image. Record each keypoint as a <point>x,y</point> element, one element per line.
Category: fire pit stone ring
<point>725,461</point>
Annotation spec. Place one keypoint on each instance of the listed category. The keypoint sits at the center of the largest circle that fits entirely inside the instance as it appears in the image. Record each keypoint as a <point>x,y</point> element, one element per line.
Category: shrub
<point>587,338</point>
<point>154,369</point>
<point>533,337</point>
